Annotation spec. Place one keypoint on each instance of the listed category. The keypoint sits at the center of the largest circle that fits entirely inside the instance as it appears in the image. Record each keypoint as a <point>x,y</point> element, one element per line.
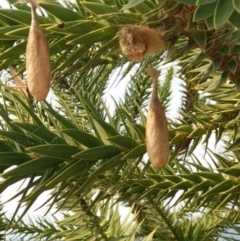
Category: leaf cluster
<point>91,158</point>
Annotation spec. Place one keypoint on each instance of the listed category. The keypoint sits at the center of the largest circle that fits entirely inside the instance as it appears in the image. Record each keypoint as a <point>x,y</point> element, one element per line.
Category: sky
<point>3,3</point>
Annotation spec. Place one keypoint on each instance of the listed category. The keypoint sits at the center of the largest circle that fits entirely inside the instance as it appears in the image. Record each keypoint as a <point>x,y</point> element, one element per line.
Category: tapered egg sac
<point>37,60</point>
<point>157,140</point>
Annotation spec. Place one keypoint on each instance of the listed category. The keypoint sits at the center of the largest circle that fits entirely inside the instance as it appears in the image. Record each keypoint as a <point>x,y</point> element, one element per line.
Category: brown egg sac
<point>37,59</point>
<point>157,139</point>
<point>138,41</point>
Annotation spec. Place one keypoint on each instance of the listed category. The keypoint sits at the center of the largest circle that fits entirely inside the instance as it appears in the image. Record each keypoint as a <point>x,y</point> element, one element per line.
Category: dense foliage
<point>92,159</point>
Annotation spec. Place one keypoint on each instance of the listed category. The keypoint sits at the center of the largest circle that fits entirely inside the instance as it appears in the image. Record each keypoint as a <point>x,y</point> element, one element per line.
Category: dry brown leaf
<point>18,81</point>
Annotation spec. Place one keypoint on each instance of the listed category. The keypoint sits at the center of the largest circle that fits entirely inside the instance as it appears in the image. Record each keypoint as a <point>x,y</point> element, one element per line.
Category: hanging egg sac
<point>38,64</point>
<point>157,139</point>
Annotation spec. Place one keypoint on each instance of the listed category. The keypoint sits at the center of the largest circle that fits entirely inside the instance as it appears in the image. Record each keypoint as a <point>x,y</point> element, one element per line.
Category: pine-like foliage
<point>91,156</point>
